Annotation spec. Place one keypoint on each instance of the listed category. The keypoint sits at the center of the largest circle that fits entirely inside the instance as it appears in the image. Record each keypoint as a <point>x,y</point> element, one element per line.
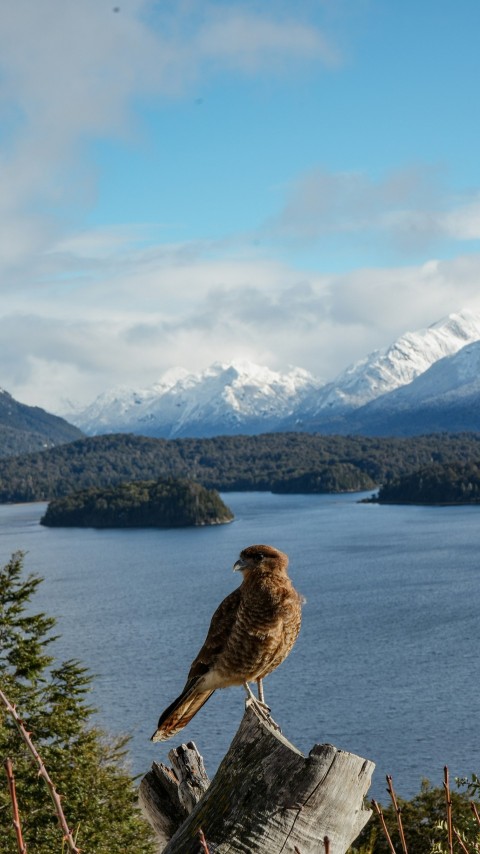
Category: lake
<point>386,665</point>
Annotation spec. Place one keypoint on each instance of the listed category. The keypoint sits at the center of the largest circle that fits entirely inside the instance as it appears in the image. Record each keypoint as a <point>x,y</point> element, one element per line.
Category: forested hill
<point>450,483</point>
<point>269,461</point>
<point>29,428</point>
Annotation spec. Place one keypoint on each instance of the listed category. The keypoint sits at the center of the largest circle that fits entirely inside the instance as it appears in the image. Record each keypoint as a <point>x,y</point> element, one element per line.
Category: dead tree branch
<point>42,771</point>
<point>15,811</point>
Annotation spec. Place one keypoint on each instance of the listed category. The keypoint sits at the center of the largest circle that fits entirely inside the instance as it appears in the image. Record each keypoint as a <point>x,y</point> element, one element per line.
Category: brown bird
<point>251,633</point>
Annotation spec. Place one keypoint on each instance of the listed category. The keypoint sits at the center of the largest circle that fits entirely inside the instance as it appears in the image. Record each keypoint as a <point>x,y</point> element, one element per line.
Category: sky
<point>289,183</point>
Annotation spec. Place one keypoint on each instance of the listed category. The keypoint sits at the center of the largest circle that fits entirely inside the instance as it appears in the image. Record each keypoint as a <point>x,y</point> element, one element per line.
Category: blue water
<point>386,664</point>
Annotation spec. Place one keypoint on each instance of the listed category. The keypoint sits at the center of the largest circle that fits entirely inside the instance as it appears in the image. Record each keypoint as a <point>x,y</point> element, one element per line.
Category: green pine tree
<point>87,767</point>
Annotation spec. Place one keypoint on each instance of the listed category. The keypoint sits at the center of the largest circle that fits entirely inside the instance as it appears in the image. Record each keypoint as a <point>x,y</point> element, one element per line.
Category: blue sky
<point>189,182</point>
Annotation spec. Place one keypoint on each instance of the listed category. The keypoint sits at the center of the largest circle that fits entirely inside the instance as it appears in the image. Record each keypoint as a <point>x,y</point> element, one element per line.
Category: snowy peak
<point>444,398</point>
<point>117,410</point>
<point>224,398</point>
<point>228,398</point>
<point>457,376</point>
<point>398,365</point>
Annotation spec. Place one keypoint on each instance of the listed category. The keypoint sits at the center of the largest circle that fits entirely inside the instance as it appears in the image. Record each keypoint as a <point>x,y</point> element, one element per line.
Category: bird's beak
<point>239,565</point>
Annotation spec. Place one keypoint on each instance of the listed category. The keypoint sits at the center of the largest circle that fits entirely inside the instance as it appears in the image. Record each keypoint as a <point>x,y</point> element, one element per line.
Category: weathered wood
<point>267,797</point>
<point>168,795</point>
<point>160,802</point>
<point>190,771</point>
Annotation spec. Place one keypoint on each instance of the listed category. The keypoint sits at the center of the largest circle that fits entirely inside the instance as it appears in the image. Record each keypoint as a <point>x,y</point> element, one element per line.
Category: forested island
<point>283,462</point>
<point>331,478</point>
<point>450,483</point>
<point>164,503</point>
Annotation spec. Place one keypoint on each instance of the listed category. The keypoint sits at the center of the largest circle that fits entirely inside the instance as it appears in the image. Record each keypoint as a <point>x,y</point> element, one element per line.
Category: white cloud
<point>251,41</point>
<point>411,209</point>
<point>463,221</point>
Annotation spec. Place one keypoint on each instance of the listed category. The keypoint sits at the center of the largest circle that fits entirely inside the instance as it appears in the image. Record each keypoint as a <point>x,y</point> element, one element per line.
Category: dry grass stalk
<point>452,833</point>
<point>475,812</point>
<point>398,812</point>
<point>448,803</point>
<point>203,842</point>
<point>460,842</point>
<point>42,771</point>
<point>22,848</point>
<point>376,806</point>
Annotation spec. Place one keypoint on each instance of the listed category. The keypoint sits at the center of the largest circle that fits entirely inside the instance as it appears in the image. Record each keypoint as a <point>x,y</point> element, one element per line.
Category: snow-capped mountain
<point>120,409</point>
<point>245,398</point>
<point>444,398</point>
<point>398,365</point>
<point>223,399</point>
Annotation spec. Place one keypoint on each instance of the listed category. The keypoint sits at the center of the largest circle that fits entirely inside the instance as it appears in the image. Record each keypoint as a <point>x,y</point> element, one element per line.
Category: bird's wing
<point>192,698</point>
<point>217,636</point>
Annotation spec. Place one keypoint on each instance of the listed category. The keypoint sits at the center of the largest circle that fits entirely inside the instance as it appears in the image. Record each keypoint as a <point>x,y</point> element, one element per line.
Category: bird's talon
<point>263,711</point>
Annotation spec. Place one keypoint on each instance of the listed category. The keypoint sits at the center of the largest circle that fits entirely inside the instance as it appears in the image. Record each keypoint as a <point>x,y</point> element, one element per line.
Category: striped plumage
<point>251,633</point>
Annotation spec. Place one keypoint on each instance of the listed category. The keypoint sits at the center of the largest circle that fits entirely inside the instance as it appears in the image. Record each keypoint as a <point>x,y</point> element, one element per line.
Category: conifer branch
<point>42,771</point>
<point>22,848</point>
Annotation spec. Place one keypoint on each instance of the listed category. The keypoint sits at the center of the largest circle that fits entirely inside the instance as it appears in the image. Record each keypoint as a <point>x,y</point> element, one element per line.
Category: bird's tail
<point>181,711</point>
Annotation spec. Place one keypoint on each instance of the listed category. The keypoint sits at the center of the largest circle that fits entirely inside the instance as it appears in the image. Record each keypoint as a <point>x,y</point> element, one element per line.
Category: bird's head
<point>264,558</point>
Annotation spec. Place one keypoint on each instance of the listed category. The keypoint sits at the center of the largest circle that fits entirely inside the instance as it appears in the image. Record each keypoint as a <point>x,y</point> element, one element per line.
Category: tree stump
<point>266,797</point>
<point>168,795</point>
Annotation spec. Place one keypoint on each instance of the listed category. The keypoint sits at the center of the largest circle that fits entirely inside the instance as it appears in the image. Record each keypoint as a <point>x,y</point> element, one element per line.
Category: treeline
<point>164,503</point>
<point>276,461</point>
<point>334,477</point>
<point>451,483</point>
<point>14,441</point>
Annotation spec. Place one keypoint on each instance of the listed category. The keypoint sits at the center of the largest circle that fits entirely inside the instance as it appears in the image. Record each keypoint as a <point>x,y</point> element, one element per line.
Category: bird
<point>251,632</point>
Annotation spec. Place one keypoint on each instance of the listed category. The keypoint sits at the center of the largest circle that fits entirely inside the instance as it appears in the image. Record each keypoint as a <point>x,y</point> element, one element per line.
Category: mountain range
<point>426,381</point>
<point>223,399</point>
<point>29,428</point>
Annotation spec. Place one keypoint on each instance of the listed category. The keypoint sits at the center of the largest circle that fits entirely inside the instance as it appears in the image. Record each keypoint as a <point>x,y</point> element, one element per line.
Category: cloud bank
<point>190,310</point>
